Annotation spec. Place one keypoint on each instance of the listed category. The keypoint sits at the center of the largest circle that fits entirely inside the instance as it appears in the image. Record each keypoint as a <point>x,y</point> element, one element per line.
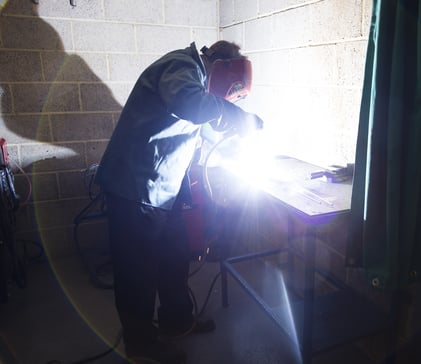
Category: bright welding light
<point>254,160</point>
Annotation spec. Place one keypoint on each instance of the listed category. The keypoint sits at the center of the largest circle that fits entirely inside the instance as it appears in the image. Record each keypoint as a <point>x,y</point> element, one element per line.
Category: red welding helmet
<point>230,78</point>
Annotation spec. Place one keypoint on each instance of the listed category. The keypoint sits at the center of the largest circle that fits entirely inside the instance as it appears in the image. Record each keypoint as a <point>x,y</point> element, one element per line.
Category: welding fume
<point>144,175</point>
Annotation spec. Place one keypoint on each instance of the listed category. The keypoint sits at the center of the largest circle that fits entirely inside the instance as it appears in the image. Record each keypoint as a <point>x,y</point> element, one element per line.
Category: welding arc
<point>207,185</point>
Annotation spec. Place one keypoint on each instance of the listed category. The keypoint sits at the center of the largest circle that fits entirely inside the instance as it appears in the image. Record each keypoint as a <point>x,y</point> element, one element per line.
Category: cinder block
<point>6,105</point>
<point>94,236</point>
<point>20,66</point>
<point>84,9</point>
<point>138,11</point>
<point>347,104</point>
<point>226,12</point>
<point>95,151</point>
<point>19,7</point>
<point>351,63</point>
<point>159,40</point>
<point>52,157</point>
<point>335,19</point>
<point>44,186</point>
<point>258,34</point>
<point>60,213</point>
<point>35,33</point>
<point>57,242</point>
<point>46,97</point>
<point>78,127</point>
<point>71,184</point>
<point>98,97</point>
<point>292,28</point>
<point>234,33</point>
<point>103,36</point>
<point>270,6</point>
<point>366,21</point>
<point>62,66</point>
<point>121,92</point>
<point>245,9</point>
<point>25,128</point>
<point>13,156</point>
<point>202,36</point>
<point>90,9</point>
<point>23,187</point>
<point>128,67</point>
<point>273,68</point>
<point>323,69</point>
<point>201,12</point>
<point>23,223</point>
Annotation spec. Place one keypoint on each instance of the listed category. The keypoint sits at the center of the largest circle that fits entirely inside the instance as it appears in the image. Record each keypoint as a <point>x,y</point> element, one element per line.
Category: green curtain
<point>385,237</point>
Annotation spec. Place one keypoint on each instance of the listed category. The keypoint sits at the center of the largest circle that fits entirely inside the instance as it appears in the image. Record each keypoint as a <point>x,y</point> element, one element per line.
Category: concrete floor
<point>61,317</point>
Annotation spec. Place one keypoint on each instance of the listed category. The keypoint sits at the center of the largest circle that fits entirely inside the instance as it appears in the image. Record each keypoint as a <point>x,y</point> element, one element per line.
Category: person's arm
<point>185,96</point>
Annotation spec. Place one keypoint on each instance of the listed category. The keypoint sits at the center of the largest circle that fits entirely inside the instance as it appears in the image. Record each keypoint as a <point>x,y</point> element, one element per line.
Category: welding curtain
<point>385,237</point>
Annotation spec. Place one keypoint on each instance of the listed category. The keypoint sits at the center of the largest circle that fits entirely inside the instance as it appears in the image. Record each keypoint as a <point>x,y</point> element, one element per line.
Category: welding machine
<point>194,215</point>
<point>9,203</point>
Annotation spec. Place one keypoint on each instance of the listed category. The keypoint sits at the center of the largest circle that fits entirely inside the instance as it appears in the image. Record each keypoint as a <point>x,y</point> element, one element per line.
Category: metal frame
<point>376,322</point>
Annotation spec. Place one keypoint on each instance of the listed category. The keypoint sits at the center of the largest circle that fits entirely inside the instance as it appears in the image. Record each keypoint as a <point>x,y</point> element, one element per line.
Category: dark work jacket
<point>156,135</point>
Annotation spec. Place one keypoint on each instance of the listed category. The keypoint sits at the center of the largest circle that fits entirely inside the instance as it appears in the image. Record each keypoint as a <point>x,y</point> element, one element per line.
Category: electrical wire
<point>84,215</point>
<point>9,204</point>
<point>28,180</point>
<point>94,210</point>
<point>206,181</point>
<point>94,357</point>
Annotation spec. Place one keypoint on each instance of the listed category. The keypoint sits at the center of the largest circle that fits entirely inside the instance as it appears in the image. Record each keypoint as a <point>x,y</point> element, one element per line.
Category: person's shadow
<point>56,116</point>
<point>48,95</point>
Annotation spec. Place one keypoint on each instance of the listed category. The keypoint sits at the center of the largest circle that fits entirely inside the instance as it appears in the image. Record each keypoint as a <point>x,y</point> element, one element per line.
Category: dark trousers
<point>151,256</point>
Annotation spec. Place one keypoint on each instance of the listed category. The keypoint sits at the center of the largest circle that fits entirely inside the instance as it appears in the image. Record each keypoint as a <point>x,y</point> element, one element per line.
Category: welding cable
<point>94,357</point>
<point>86,215</point>
<point>206,181</point>
<point>89,213</point>
<point>89,179</point>
<point>205,303</point>
<point>29,194</point>
<point>37,244</point>
<point>9,204</point>
<point>208,190</point>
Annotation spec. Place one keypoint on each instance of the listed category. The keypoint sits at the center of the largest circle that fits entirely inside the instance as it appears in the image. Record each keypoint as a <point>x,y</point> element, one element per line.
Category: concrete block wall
<point>65,73</point>
<point>308,63</point>
<point>308,67</point>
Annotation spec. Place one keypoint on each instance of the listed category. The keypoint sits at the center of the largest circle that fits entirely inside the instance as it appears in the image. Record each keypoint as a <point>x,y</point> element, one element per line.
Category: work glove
<point>249,124</point>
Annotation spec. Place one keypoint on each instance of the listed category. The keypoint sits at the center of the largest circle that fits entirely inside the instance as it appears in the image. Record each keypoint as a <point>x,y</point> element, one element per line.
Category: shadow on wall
<point>56,115</point>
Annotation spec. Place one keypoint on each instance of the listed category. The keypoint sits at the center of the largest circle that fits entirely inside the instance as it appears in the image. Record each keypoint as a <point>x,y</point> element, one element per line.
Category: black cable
<point>202,310</point>
<point>40,254</point>
<point>94,210</point>
<point>94,357</point>
<point>9,204</point>
<point>206,181</point>
<point>86,215</point>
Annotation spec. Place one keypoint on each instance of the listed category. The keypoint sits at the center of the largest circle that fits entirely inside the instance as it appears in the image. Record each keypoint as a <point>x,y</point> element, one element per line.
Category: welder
<point>143,176</point>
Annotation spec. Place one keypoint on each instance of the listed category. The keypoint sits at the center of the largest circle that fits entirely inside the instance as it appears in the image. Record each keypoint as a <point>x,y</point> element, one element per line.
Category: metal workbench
<point>320,322</point>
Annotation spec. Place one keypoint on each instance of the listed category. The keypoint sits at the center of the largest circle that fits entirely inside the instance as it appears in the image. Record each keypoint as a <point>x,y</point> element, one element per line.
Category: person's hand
<point>258,122</point>
<point>250,124</point>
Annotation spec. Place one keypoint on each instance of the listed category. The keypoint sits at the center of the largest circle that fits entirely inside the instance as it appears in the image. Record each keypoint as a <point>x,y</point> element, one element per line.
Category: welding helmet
<point>229,74</point>
<point>230,78</point>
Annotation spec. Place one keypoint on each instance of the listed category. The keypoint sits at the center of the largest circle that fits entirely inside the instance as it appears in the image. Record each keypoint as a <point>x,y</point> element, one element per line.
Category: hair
<point>222,50</point>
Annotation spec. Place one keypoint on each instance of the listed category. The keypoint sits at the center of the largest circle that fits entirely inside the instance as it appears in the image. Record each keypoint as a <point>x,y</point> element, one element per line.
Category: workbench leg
<point>291,255</point>
<point>224,285</point>
<point>309,274</point>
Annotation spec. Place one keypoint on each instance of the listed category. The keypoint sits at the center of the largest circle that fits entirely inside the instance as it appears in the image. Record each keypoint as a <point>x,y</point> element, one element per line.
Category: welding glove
<point>249,124</point>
